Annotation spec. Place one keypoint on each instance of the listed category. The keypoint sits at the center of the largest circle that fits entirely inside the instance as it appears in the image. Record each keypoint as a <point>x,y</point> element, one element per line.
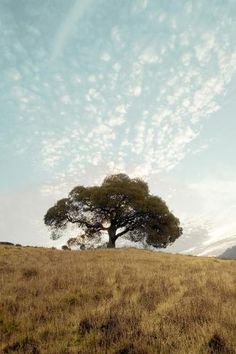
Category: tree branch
<point>97,226</point>
<point>127,219</point>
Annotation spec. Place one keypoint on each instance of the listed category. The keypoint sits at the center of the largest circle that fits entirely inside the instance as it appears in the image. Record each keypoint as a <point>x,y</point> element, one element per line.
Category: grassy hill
<point>115,301</point>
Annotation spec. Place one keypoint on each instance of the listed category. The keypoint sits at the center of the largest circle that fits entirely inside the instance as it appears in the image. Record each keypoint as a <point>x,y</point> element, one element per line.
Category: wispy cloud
<point>76,12</point>
<point>161,108</point>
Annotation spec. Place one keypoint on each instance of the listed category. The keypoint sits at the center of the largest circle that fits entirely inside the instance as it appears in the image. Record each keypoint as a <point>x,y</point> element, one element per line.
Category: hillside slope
<point>230,253</point>
<point>115,301</point>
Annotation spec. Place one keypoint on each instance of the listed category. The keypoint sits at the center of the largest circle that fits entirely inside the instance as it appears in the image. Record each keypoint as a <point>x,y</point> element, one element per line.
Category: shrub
<point>29,273</point>
<point>5,243</point>
<point>27,345</point>
<point>65,248</point>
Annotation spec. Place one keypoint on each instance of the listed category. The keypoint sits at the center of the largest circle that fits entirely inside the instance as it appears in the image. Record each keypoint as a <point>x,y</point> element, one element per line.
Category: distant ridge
<point>230,253</point>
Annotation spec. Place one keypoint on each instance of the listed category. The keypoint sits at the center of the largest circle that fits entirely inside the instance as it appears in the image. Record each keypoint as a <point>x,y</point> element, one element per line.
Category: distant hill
<point>230,253</point>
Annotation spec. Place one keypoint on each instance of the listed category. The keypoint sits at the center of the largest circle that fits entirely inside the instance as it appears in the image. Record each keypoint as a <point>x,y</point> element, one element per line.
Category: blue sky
<point>145,87</point>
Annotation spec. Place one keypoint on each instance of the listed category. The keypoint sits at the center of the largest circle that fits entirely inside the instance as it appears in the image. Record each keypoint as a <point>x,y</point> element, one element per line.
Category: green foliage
<point>120,206</point>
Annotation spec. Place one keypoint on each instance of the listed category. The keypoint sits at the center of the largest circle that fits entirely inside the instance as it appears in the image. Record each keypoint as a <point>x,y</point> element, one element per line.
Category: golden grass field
<point>119,301</point>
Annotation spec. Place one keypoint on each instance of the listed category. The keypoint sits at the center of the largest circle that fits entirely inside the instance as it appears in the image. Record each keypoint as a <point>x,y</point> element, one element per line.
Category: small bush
<point>29,273</point>
<point>6,243</point>
<point>26,346</point>
<point>217,345</point>
<point>65,248</point>
<point>85,326</point>
<point>131,349</point>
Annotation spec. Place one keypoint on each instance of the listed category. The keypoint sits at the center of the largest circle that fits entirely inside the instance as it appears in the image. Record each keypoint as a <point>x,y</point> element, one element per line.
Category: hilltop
<point>115,301</point>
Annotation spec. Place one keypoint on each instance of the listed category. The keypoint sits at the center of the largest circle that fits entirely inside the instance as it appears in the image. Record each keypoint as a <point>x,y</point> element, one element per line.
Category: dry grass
<point>115,301</point>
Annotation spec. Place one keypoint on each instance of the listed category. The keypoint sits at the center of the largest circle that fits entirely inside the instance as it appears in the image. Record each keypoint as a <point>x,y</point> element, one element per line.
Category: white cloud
<point>105,57</point>
<point>66,99</point>
<point>121,108</point>
<point>117,67</point>
<point>116,121</point>
<point>162,17</point>
<point>149,56</point>
<point>92,78</point>
<point>115,34</point>
<point>136,91</point>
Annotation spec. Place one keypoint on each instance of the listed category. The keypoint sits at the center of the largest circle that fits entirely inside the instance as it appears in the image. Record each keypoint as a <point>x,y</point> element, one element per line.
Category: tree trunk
<point>112,238</point>
<point>111,243</point>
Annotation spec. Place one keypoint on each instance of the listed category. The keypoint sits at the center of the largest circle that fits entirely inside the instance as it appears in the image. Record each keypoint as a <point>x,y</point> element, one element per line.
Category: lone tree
<point>120,206</point>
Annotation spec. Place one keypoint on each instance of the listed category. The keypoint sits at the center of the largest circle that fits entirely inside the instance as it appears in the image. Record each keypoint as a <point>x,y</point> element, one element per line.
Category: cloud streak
<point>75,13</point>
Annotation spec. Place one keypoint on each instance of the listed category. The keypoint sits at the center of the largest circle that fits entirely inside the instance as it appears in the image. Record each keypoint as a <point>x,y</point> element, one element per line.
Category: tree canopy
<point>121,206</point>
